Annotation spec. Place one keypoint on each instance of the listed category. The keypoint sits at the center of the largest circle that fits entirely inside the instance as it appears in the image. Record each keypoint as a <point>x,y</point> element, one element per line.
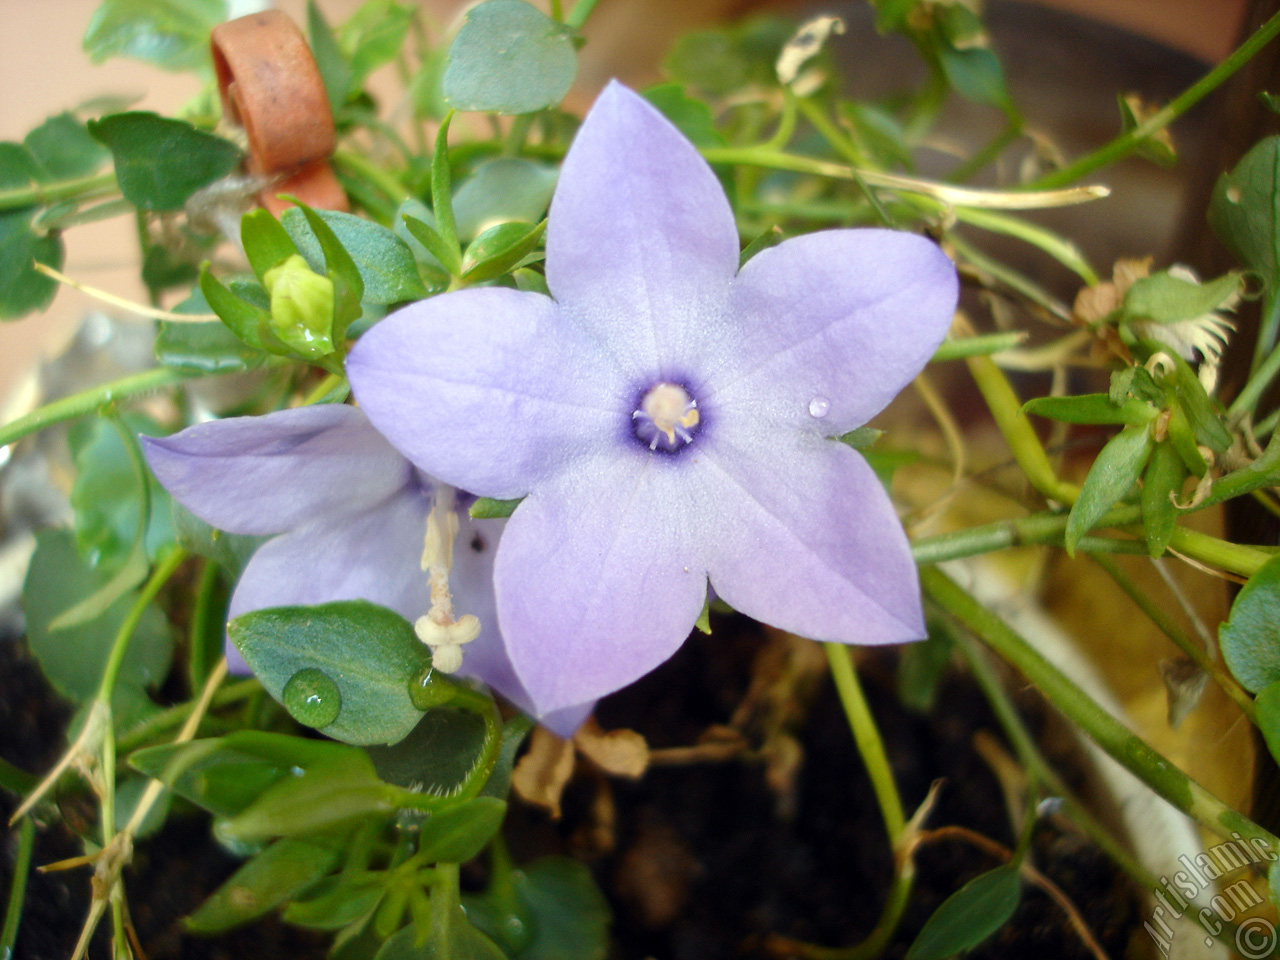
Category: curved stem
<point>1131,140</point>
<point>79,188</point>
<point>1153,769</point>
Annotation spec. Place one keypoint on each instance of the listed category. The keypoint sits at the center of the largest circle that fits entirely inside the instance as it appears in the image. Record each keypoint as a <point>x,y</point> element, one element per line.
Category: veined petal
<point>268,474</point>
<point>822,555</point>
<point>641,242</point>
<point>599,578</point>
<point>834,324</point>
<point>487,389</point>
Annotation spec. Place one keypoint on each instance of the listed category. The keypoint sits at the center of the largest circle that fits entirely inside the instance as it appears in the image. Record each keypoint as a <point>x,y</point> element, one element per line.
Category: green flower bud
<point>301,306</point>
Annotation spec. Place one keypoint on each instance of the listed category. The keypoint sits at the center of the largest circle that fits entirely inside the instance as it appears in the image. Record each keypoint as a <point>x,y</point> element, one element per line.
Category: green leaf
<point>486,508</point>
<point>64,148</point>
<point>691,117</point>
<point>457,834</point>
<point>513,734</point>
<point>564,915</point>
<point>500,249</point>
<point>1095,408</point>
<point>373,36</point>
<point>73,659</point>
<point>970,915</point>
<point>435,244</point>
<point>327,796</point>
<point>436,756</point>
<point>711,60</point>
<point>266,243</point>
<point>461,941</point>
<point>22,289</point>
<point>19,168</point>
<point>285,869</point>
<point>173,34</point>
<point>503,189</point>
<point>1163,480</point>
<point>214,777</point>
<point>1165,298</point>
<point>1250,638</point>
<point>1203,412</point>
<point>442,196</point>
<point>231,551</point>
<point>387,269</point>
<point>368,654</point>
<point>1112,475</point>
<point>1267,706</point>
<point>1243,210</point>
<point>161,162</point>
<point>335,71</point>
<point>246,320</point>
<point>335,902</point>
<point>209,347</point>
<point>975,73</point>
<point>861,438</point>
<point>921,669</point>
<point>509,57</point>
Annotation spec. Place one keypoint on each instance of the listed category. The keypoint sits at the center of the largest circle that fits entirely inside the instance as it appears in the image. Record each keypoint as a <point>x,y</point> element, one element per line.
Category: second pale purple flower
<point>668,417</point>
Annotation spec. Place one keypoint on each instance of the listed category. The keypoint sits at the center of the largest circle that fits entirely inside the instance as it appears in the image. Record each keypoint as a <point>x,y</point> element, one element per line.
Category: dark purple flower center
<point>667,417</point>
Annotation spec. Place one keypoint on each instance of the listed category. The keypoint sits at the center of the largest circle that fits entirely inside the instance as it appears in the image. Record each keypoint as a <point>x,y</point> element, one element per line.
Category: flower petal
<point>487,389</point>
<point>268,474</point>
<point>822,555</point>
<point>840,320</point>
<point>641,242</point>
<point>599,578</point>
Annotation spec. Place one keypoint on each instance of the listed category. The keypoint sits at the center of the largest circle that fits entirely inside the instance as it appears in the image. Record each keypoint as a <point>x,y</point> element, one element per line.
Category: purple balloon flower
<point>348,514</point>
<point>668,417</point>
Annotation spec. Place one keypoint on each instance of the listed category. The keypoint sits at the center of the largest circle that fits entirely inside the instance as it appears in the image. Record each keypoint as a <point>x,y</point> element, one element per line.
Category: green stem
<point>1153,769</point>
<point>1165,623</point>
<point>579,13</point>
<point>867,736</point>
<point>1130,141</point>
<point>362,167</point>
<point>1257,385</point>
<point>206,630</point>
<point>1239,558</point>
<point>1027,449</point>
<point>87,401</point>
<point>1038,528</point>
<point>165,569</point>
<point>516,136</point>
<point>1267,328</point>
<point>77,189</point>
<point>983,345</point>
<point>1024,745</point>
<point>18,887</point>
<point>165,720</point>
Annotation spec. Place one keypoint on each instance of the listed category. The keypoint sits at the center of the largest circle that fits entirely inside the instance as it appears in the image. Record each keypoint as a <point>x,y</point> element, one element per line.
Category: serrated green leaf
<point>1250,638</point>
<point>64,149</point>
<point>970,915</point>
<point>284,870</point>
<point>1162,481</point>
<point>1112,475</point>
<point>73,659</point>
<point>457,834</point>
<point>509,57</point>
<point>385,263</point>
<point>1165,298</point>
<point>173,34</point>
<point>436,756</point>
<point>368,652</point>
<point>1245,206</point>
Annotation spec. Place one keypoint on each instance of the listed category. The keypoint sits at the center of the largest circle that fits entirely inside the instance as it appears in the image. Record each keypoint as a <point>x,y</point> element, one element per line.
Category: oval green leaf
<point>970,915</point>
<point>1250,638</point>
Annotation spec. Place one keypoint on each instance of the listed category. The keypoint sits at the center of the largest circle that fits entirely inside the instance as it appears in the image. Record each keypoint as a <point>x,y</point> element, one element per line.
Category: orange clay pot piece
<point>270,85</point>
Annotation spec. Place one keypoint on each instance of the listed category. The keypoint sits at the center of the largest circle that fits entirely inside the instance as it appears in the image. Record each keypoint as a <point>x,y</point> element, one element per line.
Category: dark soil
<point>700,862</point>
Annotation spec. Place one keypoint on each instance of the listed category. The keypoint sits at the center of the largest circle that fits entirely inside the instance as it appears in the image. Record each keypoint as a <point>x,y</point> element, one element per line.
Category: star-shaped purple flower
<point>666,416</point>
<point>348,515</point>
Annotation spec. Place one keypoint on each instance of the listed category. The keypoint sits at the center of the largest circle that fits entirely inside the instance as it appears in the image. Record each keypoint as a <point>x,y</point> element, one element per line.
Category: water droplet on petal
<point>819,407</point>
<point>312,698</point>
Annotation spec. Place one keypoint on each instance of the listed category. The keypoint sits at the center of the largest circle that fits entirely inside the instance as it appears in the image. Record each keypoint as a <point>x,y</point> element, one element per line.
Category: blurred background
<point>44,71</point>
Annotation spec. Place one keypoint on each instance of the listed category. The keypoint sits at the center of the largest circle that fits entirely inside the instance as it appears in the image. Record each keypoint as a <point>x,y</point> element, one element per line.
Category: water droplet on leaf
<point>819,407</point>
<point>430,689</point>
<point>312,698</point>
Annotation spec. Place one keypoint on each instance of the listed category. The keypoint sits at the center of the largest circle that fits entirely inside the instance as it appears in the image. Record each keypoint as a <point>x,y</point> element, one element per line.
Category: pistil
<point>667,418</point>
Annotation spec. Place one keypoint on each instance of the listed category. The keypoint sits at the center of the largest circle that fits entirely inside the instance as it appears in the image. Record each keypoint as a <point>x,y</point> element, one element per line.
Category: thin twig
<point>141,310</point>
